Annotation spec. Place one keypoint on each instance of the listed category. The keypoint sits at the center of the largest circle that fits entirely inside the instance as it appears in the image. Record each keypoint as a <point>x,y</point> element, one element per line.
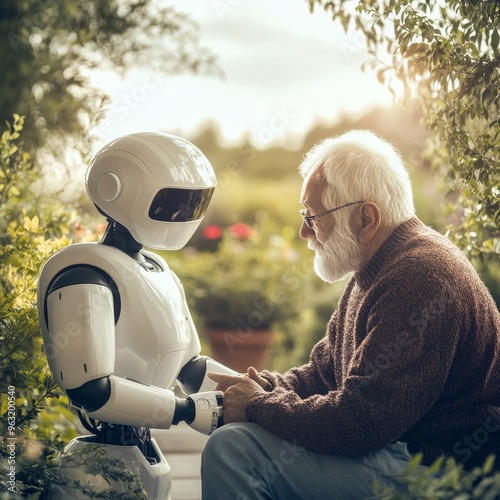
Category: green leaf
<point>473,48</point>
<point>414,48</point>
<point>488,464</point>
<point>5,404</point>
<point>495,38</point>
<point>436,466</point>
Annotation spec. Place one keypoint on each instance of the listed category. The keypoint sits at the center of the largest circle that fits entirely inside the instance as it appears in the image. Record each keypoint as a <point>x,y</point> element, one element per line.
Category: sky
<point>284,68</point>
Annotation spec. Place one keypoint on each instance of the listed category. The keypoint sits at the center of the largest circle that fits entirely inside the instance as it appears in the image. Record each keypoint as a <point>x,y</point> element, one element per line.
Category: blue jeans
<point>243,461</point>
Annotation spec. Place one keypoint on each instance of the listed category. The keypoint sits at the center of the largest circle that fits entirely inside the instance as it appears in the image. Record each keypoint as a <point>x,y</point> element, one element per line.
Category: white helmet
<point>158,186</point>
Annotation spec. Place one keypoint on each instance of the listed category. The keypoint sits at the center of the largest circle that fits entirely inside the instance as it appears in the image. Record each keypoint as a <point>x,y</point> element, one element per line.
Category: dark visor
<point>180,205</point>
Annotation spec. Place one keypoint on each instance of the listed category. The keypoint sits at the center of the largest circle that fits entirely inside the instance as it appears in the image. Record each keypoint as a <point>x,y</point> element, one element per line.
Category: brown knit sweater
<point>412,354</point>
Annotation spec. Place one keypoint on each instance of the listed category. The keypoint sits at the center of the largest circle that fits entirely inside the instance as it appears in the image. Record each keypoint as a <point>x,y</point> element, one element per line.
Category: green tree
<point>446,55</point>
<point>48,48</point>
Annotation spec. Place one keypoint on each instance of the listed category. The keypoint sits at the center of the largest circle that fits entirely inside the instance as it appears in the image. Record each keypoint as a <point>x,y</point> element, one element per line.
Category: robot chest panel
<point>152,333</point>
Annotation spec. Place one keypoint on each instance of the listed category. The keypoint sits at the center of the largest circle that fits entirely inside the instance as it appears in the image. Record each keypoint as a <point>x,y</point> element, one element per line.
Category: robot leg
<point>89,466</point>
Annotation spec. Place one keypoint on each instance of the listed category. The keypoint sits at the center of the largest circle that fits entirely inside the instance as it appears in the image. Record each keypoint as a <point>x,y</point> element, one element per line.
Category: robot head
<point>158,186</point>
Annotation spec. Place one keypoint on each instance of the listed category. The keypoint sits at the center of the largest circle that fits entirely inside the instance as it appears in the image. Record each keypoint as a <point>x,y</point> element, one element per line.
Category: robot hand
<point>202,411</point>
<point>208,411</point>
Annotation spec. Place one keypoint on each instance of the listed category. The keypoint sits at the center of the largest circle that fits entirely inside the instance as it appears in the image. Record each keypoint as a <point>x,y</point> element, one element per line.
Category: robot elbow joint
<point>92,395</point>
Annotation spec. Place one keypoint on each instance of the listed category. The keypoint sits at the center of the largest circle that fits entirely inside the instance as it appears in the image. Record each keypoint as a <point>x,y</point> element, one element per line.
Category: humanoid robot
<point>116,328</point>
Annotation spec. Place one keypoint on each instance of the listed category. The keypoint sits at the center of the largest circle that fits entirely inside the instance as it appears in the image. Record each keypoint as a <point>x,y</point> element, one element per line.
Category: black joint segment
<point>92,395</point>
<point>184,411</point>
<point>193,373</point>
<point>77,276</point>
<point>220,420</point>
<point>119,236</point>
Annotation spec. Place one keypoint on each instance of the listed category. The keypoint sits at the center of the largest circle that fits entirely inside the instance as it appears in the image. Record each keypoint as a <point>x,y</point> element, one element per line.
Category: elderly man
<point>410,361</point>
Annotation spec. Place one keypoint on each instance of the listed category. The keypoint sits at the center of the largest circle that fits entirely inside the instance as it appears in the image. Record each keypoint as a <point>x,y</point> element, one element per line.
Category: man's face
<point>337,250</point>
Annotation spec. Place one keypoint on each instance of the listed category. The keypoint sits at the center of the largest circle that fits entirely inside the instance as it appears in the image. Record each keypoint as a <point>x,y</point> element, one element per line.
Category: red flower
<point>79,229</point>
<point>241,231</point>
<point>212,233</point>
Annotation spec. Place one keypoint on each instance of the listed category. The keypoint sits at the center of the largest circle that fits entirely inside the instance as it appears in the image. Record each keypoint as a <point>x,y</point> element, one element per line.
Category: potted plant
<point>239,289</point>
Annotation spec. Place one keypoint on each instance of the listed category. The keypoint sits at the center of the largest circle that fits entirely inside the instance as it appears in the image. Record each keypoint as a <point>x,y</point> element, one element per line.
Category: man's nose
<point>305,231</point>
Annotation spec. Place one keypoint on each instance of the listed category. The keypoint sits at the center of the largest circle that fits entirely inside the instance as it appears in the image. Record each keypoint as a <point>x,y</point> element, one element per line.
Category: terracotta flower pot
<point>239,349</point>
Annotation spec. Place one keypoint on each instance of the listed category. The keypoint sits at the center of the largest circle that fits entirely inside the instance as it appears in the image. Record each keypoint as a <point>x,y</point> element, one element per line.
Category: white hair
<point>360,166</point>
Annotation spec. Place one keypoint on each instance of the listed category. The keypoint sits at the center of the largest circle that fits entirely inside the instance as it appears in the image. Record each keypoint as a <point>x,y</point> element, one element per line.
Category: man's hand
<point>238,390</point>
<point>254,375</point>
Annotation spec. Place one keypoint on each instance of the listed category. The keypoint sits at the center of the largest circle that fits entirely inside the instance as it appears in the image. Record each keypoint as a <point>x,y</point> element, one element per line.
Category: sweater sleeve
<point>307,379</point>
<point>395,376</point>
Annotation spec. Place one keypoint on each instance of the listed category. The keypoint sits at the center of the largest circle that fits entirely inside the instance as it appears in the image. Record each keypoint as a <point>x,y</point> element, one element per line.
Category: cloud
<point>278,46</point>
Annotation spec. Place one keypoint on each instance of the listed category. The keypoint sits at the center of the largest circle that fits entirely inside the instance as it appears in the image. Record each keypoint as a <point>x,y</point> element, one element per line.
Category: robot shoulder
<point>86,274</point>
<point>80,263</point>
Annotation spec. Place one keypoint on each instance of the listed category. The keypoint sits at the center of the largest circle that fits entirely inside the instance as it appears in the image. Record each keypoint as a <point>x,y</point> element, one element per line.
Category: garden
<point>245,270</point>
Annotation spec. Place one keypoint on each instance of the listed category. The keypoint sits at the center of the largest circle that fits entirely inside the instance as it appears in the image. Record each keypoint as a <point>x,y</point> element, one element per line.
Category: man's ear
<point>370,221</point>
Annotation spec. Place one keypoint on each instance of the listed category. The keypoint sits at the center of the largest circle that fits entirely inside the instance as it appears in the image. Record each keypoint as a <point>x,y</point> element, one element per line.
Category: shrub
<point>444,479</point>
<point>34,423</point>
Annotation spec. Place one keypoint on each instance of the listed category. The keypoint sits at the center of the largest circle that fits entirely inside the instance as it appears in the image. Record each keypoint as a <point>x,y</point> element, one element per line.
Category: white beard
<point>337,257</point>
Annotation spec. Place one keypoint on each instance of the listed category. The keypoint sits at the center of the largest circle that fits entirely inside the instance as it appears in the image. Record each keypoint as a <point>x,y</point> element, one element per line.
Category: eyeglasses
<point>309,218</point>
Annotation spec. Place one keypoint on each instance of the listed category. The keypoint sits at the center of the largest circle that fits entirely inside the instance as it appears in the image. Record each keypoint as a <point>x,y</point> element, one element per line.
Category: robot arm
<point>81,311</point>
<point>193,376</point>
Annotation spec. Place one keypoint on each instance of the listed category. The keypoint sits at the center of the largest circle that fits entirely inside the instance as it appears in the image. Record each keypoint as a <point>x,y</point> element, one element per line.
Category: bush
<point>35,424</point>
<point>444,479</point>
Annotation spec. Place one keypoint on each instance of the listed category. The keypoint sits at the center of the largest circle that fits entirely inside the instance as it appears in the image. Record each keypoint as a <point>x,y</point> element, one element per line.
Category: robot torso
<point>154,333</point>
